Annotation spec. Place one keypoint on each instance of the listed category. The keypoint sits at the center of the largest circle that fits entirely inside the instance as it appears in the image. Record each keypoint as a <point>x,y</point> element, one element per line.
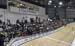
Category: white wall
<point>14,16</point>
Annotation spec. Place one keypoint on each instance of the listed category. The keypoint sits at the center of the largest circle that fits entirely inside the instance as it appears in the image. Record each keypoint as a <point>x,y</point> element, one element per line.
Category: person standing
<point>1,40</point>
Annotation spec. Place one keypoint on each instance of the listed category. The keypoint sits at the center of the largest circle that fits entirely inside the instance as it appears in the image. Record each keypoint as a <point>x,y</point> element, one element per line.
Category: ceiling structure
<point>37,2</point>
<point>44,2</point>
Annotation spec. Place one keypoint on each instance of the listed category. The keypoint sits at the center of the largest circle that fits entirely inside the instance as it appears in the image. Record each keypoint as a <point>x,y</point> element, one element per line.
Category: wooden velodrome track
<point>63,37</point>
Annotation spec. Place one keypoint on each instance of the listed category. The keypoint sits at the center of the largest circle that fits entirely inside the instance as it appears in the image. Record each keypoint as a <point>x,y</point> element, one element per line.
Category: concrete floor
<point>63,37</point>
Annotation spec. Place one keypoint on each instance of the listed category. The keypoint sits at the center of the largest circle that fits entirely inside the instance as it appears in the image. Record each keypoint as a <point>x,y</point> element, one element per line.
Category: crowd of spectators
<point>25,28</point>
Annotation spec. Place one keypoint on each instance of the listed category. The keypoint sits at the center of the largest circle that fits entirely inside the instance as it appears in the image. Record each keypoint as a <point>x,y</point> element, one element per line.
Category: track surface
<point>63,37</point>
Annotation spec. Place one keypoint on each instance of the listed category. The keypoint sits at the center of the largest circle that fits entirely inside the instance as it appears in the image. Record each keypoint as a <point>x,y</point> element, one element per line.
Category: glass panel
<point>3,4</point>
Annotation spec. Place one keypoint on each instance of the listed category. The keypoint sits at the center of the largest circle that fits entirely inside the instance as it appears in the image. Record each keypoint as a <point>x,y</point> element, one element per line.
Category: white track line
<point>58,40</point>
<point>73,43</point>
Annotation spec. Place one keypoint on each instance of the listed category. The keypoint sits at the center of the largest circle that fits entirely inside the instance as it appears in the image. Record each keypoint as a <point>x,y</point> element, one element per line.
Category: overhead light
<point>50,1</point>
<point>60,3</point>
<point>55,6</point>
<point>21,4</point>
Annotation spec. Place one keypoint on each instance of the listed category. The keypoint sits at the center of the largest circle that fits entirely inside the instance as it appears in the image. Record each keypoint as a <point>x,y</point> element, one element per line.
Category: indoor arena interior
<point>37,22</point>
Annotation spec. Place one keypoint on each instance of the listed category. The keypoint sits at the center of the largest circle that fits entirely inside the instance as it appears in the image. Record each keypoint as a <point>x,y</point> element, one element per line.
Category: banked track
<point>62,37</point>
